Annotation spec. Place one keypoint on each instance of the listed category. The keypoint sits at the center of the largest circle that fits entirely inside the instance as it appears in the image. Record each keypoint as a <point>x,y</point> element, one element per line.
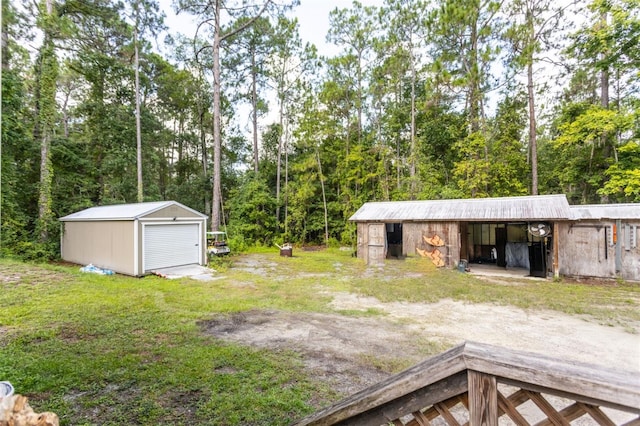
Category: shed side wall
<point>106,244</point>
<point>585,250</point>
<point>415,234</point>
<point>630,254</point>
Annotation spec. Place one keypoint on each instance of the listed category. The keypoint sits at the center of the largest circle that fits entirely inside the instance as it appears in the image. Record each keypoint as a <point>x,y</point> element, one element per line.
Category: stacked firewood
<point>15,411</point>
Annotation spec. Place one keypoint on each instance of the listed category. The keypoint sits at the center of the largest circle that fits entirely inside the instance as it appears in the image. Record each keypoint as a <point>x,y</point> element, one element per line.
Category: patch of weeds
<point>386,364</point>
<point>362,313</point>
<point>221,263</point>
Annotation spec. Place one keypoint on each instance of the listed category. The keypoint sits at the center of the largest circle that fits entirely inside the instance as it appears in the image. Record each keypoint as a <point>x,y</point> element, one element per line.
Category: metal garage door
<point>171,245</point>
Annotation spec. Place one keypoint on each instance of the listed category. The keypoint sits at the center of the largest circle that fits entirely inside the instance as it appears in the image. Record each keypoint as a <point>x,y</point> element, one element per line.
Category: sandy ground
<point>366,340</point>
<point>351,352</point>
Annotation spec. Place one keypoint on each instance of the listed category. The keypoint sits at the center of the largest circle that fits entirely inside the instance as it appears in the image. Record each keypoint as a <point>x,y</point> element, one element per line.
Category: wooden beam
<point>556,250</point>
<point>483,399</point>
<point>447,375</point>
<point>443,390</point>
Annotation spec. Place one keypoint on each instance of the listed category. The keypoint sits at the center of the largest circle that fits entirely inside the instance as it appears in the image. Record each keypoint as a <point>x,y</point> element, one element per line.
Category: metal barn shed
<point>475,230</point>
<point>542,233</point>
<point>135,239</point>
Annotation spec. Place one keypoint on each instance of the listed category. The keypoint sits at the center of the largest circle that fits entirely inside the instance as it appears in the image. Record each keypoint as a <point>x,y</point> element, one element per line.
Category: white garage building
<point>135,239</point>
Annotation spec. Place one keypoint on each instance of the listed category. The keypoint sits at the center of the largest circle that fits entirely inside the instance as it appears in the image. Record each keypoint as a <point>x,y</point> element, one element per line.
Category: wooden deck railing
<point>479,385</point>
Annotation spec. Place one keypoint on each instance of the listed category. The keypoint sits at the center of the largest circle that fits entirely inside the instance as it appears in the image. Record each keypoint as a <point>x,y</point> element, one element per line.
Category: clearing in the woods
<point>271,338</point>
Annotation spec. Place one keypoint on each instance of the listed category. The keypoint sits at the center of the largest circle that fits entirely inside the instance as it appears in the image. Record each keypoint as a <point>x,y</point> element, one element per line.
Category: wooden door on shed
<point>376,242</point>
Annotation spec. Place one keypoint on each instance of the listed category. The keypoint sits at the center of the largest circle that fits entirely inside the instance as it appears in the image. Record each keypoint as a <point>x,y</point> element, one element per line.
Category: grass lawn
<point>120,350</point>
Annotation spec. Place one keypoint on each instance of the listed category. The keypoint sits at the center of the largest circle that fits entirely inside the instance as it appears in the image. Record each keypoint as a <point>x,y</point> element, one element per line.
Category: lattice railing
<point>478,385</point>
<point>513,410</point>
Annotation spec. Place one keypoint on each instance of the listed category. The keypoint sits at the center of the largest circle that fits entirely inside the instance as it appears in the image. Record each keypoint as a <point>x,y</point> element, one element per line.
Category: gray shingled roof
<point>539,207</point>
<point>606,211</point>
<point>122,211</point>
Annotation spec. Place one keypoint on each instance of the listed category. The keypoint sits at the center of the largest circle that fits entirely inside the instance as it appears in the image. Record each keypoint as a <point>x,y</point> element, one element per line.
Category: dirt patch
<point>17,274</point>
<point>351,353</point>
<point>348,353</point>
<point>367,340</point>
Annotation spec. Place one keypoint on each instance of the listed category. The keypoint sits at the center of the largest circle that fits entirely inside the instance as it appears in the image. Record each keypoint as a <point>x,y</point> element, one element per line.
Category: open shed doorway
<point>500,244</point>
<point>394,240</point>
<point>508,245</point>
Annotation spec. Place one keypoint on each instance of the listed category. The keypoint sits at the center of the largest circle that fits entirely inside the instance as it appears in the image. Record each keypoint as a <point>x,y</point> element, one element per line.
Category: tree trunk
<point>533,142</point>
<point>47,108</point>
<point>279,159</point>
<point>533,134</point>
<point>254,105</point>
<point>412,154</point>
<point>216,198</point>
<point>474,113</point>
<point>140,197</point>
<point>324,201</point>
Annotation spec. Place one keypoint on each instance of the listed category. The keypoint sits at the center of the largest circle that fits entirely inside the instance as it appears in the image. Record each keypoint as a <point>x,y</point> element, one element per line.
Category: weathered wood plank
<point>446,414</point>
<point>423,374</point>
<point>569,413</point>
<point>597,414</point>
<point>607,386</point>
<point>432,413</point>
<point>597,386</point>
<point>421,419</point>
<point>443,390</point>
<point>507,407</point>
<point>547,409</point>
<point>483,399</point>
<point>518,398</point>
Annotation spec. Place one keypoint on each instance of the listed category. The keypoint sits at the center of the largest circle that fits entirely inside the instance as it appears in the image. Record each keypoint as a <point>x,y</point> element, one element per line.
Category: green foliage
<point>624,176</point>
<point>508,173</point>
<point>398,113</point>
<point>472,170</point>
<point>252,211</point>
<point>592,126</point>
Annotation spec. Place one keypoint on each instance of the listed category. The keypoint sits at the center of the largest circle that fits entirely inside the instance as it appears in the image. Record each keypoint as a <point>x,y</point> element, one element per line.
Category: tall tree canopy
<point>245,121</point>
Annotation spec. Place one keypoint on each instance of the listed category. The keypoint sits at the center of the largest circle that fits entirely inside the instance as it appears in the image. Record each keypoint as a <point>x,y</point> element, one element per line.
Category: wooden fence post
<point>483,399</point>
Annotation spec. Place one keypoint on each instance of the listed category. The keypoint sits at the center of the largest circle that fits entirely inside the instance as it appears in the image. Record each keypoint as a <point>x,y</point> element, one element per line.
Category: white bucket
<point>5,389</point>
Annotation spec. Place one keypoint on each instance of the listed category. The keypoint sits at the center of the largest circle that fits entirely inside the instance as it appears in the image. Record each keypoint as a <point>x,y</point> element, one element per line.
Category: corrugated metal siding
<point>126,211</point>
<point>542,207</point>
<point>606,211</point>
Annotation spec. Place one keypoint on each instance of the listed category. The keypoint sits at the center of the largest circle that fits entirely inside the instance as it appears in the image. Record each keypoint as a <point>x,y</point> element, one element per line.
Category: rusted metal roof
<point>606,211</point>
<point>123,211</point>
<point>538,207</point>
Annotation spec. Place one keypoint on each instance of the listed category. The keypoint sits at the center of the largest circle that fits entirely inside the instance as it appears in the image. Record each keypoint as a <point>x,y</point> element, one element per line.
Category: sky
<point>313,19</point>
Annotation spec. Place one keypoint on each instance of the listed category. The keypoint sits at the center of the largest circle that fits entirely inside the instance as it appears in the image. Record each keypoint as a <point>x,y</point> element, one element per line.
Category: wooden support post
<point>556,250</point>
<point>483,399</point>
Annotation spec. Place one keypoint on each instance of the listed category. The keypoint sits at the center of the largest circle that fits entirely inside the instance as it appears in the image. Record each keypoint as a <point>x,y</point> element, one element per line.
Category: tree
<point>289,64</point>
<point>463,48</point>
<point>534,23</point>
<point>606,53</point>
<point>146,18</point>
<point>246,60</point>
<point>355,29</point>
<point>211,16</point>
<point>406,25</point>
<point>19,173</point>
<point>47,75</point>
